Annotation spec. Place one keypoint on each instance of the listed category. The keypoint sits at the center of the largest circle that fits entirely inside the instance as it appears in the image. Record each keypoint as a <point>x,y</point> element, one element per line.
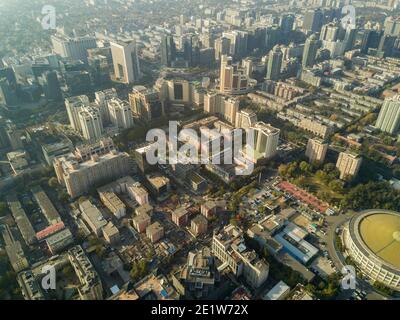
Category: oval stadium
<point>372,239</point>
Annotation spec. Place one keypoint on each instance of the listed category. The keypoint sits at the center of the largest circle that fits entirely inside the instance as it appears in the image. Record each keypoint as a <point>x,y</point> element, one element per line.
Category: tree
<point>301,181</point>
<point>336,185</point>
<point>305,167</point>
<point>283,170</point>
<point>63,196</point>
<point>53,182</point>
<point>139,270</point>
<point>3,209</point>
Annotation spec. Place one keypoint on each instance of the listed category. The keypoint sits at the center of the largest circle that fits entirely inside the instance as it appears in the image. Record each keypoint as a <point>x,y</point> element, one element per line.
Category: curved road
<point>337,257</point>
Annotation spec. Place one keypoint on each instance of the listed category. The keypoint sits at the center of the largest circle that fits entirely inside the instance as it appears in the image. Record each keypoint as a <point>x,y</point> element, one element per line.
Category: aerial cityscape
<point>199,150</point>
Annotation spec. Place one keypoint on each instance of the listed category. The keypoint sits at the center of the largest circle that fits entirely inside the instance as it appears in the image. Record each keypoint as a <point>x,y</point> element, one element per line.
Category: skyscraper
<point>389,116</point>
<point>125,61</point>
<point>91,124</point>
<point>225,106</point>
<point>120,113</point>
<point>313,21</point>
<point>168,50</point>
<point>348,164</point>
<point>51,86</point>
<point>74,48</point>
<point>233,78</point>
<point>145,103</point>
<point>74,105</point>
<point>266,140</point>
<point>287,22</point>
<point>316,150</point>
<point>274,63</point>
<point>310,51</point>
<point>222,47</point>
<point>392,26</point>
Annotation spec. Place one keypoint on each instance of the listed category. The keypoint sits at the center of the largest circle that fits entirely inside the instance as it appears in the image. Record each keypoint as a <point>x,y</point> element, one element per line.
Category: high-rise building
<point>79,176</point>
<point>287,23</point>
<point>168,50</point>
<point>238,42</point>
<point>120,113</point>
<point>386,46</point>
<point>393,4</point>
<point>125,61</point>
<point>91,123</point>
<point>392,26</point>
<point>73,48</point>
<point>348,164</point>
<point>331,31</point>
<point>316,150</point>
<point>145,103</point>
<point>101,102</point>
<point>75,105</point>
<point>245,119</point>
<point>389,116</point>
<point>229,247</point>
<point>233,78</point>
<point>273,36</point>
<point>247,65</point>
<point>91,287</point>
<point>222,47</point>
<point>310,51</point>
<point>266,140</point>
<point>370,39</point>
<point>51,86</point>
<point>225,106</point>
<point>313,20</point>
<point>274,63</point>
<point>100,69</point>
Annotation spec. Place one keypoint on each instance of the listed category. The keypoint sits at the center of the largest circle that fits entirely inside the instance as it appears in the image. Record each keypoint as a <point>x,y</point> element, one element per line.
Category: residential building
<point>145,103</point>
<point>125,61</point>
<point>389,116</point>
<point>229,247</point>
<point>14,250</point>
<point>91,123</point>
<point>199,225</point>
<point>91,287</point>
<point>180,217</point>
<point>141,222</point>
<point>111,233</point>
<point>74,106</point>
<point>120,113</point>
<point>233,78</point>
<point>30,287</point>
<point>316,150</point>
<point>225,106</point>
<point>113,203</point>
<point>348,164</point>
<point>310,51</point>
<point>199,276</point>
<point>74,48</point>
<point>93,217</point>
<point>266,140</point>
<point>79,176</point>
<point>155,232</point>
<point>59,241</point>
<point>245,119</point>
<point>274,63</point>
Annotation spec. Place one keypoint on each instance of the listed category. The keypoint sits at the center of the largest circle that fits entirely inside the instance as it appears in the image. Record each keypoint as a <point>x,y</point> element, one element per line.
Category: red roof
<point>50,230</point>
<point>304,196</point>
